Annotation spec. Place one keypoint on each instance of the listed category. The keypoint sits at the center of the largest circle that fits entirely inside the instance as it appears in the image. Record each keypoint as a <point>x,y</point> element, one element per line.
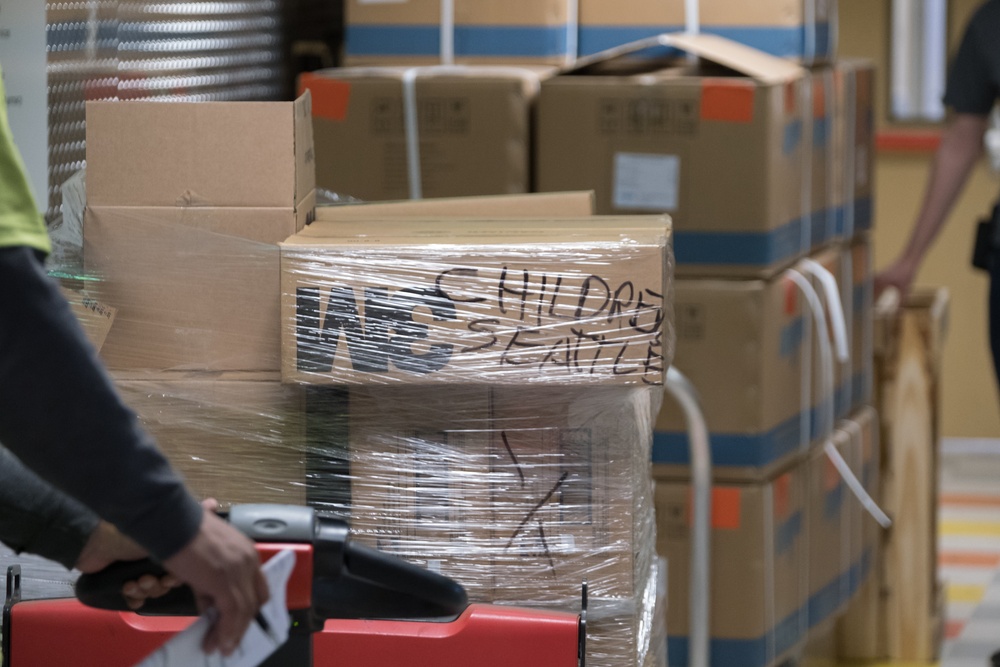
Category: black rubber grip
<point>103,590</point>
<point>404,577</point>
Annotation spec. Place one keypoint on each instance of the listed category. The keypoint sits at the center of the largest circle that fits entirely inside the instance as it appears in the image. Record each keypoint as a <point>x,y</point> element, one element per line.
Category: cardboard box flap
<point>635,230</point>
<point>248,154</point>
<point>748,61</point>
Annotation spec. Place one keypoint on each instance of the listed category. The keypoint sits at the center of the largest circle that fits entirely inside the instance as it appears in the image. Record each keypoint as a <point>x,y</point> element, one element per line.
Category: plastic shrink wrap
<point>476,396</point>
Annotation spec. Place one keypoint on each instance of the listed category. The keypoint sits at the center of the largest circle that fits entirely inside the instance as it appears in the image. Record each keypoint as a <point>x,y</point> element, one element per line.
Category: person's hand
<point>222,567</point>
<point>106,545</point>
<point>899,275</point>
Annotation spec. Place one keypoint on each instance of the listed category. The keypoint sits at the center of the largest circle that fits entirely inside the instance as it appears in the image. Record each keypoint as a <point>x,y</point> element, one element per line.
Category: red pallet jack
<point>349,605</point>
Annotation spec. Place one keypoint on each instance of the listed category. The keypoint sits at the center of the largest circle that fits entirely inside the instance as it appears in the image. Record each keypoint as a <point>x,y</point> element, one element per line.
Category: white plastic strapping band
<point>447,43</point>
<point>805,390</point>
<point>412,130</point>
<point>825,351</point>
<point>835,306</point>
<point>856,487</point>
<point>810,28</point>
<point>572,31</point>
<point>692,17</point>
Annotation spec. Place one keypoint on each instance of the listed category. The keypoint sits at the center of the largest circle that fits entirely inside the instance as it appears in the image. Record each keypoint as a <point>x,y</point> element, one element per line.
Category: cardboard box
<point>797,29</point>
<point>515,301</point>
<point>830,521</point>
<point>742,346</point>
<point>412,32</point>
<point>235,437</point>
<point>520,494</point>
<point>758,569</point>
<point>182,225</point>
<point>649,138</point>
<point>539,205</point>
<point>472,131</point>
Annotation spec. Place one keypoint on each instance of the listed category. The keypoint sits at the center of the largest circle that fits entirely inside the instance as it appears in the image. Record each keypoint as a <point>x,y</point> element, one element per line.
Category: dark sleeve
<point>60,414</point>
<point>971,88</point>
<point>36,518</point>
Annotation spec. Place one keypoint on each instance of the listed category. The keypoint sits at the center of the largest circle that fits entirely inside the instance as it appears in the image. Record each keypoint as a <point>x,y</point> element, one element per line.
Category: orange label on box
<point>330,97</point>
<point>726,508</point>
<point>791,297</point>
<point>727,102</point>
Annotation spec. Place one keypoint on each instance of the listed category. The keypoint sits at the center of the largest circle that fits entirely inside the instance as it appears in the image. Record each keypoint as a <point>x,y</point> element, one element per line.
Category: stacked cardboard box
<point>799,29</point>
<point>557,31</point>
<point>757,161</point>
<point>417,32</point>
<point>180,234</point>
<point>494,382</point>
<point>390,133</point>
<point>651,136</point>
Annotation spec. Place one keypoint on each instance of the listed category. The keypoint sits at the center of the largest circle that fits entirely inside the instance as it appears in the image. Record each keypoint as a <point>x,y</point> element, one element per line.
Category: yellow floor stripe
<point>965,593</point>
<point>970,528</point>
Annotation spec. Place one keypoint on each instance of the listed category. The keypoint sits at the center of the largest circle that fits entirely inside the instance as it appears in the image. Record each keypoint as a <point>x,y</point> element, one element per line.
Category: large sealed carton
<point>515,301</point>
<point>475,31</point>
<point>401,133</point>
<point>742,345</point>
<point>536,205</point>
<point>717,144</point>
<point>758,569</point>
<point>521,494</point>
<point>235,437</point>
<point>182,224</point>
<point>799,29</point>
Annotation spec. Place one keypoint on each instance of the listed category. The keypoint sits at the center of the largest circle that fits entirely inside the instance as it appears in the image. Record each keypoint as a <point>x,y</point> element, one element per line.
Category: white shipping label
<point>644,181</point>
<point>22,61</point>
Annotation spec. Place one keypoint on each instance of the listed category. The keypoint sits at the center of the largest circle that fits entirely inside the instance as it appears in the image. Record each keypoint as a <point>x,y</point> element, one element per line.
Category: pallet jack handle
<point>701,481</point>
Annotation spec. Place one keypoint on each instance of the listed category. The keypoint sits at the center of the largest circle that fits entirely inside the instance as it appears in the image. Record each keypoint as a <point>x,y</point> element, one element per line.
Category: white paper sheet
<point>184,649</point>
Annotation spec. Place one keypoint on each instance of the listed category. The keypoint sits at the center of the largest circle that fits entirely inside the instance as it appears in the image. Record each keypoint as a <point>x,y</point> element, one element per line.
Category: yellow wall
<point>971,406</point>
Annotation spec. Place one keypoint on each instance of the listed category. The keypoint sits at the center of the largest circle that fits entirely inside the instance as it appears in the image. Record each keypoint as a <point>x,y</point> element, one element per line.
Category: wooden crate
<point>898,612</point>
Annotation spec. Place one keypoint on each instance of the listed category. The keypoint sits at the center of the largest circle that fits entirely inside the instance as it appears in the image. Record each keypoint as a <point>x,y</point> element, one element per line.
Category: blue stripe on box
<point>733,449</point>
<point>783,41</point>
<point>739,248</point>
<point>483,41</point>
<point>792,138</point>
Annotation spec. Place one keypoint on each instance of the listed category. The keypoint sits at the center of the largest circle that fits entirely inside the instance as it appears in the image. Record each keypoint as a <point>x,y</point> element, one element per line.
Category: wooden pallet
<point>898,613</point>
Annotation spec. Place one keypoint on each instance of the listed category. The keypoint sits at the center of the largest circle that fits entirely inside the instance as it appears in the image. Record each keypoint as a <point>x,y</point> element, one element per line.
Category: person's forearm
<point>961,146</point>
<point>60,414</point>
<point>36,518</point>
